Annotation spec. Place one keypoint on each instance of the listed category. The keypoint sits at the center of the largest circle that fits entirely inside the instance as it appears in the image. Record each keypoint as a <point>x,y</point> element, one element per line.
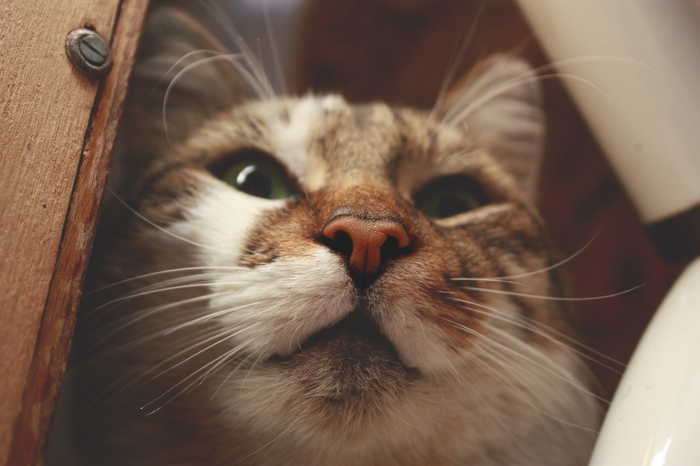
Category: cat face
<point>326,283</point>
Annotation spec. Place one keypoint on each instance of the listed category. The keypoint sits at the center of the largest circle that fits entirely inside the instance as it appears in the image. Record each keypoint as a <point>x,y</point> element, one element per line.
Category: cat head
<point>328,283</point>
<point>497,104</point>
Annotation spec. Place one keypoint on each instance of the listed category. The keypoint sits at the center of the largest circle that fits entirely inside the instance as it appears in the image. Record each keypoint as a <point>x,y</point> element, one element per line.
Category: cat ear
<point>498,105</point>
<point>209,83</point>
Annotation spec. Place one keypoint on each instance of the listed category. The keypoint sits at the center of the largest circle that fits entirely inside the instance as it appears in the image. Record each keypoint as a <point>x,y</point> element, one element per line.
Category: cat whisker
<point>213,315</point>
<point>293,424</point>
<point>256,68</point>
<point>226,379</point>
<point>454,66</point>
<point>158,227</point>
<point>562,262</point>
<point>454,369</point>
<point>228,357</point>
<point>220,337</point>
<point>176,284</point>
<point>184,390</point>
<point>291,339</point>
<point>523,357</point>
<point>495,280</point>
<point>551,298</point>
<point>252,366</point>
<point>519,381</point>
<point>187,342</point>
<point>482,396</point>
<point>529,396</point>
<point>131,319</point>
<point>543,331</point>
<point>585,396</point>
<point>164,272</point>
<point>181,60</point>
<point>594,59</point>
<point>421,325</point>
<point>135,342</point>
<point>231,58</point>
<point>451,119</point>
<point>276,59</point>
<point>162,288</point>
<point>396,416</point>
<point>128,379</point>
<point>541,355</point>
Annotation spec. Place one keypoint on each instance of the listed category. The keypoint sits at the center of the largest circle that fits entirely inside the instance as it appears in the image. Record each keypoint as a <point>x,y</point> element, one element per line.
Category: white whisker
<point>181,60</point>
<point>256,69</point>
<point>452,70</point>
<point>185,240</point>
<point>267,444</point>
<point>550,298</point>
<point>509,383</point>
<point>206,366</point>
<point>543,331</point>
<point>204,61</point>
<point>164,272</point>
<point>276,59</point>
<point>538,271</point>
<point>452,120</point>
<point>223,382</point>
<point>496,344</point>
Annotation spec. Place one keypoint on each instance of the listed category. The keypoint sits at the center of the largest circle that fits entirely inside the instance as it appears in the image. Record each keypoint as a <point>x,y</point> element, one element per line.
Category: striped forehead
<point>322,139</point>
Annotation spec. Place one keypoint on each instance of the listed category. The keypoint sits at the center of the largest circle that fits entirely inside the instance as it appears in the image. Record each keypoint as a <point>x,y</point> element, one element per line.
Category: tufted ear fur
<point>208,87</point>
<point>498,105</point>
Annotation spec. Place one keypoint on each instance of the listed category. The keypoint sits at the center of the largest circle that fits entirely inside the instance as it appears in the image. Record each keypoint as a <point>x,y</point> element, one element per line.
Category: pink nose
<point>367,238</point>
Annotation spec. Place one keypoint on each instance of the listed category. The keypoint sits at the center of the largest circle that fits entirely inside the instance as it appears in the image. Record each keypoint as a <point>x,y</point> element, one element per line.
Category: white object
<point>654,419</point>
<point>640,60</point>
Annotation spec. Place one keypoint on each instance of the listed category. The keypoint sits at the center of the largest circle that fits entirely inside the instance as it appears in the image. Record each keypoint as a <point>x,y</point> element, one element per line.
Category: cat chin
<point>310,405</point>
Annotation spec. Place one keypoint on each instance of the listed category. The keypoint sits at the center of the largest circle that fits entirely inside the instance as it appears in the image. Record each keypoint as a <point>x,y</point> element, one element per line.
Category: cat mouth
<point>355,338</point>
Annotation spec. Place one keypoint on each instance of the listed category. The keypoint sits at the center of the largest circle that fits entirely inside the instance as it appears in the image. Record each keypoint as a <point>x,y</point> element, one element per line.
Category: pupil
<point>254,182</point>
<point>450,206</point>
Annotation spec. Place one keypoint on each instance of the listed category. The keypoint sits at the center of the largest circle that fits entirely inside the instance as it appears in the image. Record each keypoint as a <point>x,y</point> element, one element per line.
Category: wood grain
<point>56,141</point>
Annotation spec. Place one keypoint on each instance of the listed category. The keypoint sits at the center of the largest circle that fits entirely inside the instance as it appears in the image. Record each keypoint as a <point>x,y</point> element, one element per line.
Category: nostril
<point>367,242</point>
<point>391,248</point>
<point>340,241</point>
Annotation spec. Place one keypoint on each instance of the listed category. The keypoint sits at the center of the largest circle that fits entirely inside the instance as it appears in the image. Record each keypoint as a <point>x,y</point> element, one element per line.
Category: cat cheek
<point>282,303</point>
<point>219,221</point>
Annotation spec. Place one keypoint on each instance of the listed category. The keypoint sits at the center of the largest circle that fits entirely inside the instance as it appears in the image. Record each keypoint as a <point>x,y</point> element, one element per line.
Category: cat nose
<point>368,238</point>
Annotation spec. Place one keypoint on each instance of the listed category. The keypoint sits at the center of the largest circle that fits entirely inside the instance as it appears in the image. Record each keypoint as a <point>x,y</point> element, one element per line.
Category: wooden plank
<point>55,148</point>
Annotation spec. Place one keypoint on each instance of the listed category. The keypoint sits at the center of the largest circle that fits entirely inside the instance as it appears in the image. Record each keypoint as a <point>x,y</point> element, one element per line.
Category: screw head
<point>89,53</point>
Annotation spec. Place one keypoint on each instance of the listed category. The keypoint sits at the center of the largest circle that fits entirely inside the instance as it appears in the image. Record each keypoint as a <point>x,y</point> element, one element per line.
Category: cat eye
<point>257,174</point>
<point>450,196</point>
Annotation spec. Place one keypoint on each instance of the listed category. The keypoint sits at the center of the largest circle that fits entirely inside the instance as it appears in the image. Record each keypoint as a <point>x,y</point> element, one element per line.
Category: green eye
<point>257,174</point>
<point>450,196</point>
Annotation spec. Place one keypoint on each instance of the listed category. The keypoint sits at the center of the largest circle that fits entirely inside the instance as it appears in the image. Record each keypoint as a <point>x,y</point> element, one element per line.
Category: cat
<point>304,281</point>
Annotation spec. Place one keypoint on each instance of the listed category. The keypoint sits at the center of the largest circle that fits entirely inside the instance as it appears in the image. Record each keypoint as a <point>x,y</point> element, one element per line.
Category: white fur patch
<point>289,139</point>
<point>220,222</point>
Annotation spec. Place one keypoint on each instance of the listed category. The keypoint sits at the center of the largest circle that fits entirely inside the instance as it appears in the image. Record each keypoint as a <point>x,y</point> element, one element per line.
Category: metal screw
<point>89,53</point>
